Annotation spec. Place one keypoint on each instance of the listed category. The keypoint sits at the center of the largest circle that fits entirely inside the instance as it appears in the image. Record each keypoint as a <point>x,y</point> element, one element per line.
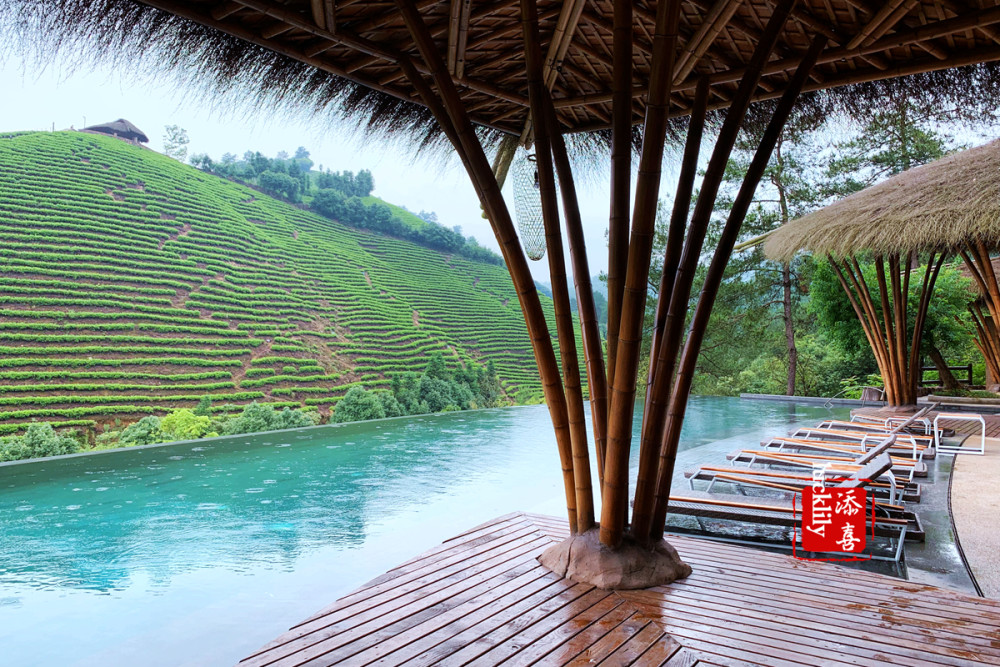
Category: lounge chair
<point>921,446</point>
<point>887,488</point>
<point>778,512</point>
<point>901,449</point>
<point>842,461</point>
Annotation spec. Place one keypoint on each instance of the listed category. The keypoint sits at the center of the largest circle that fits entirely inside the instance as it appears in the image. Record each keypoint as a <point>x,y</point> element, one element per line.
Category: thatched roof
<point>119,128</point>
<point>343,55</point>
<point>938,206</point>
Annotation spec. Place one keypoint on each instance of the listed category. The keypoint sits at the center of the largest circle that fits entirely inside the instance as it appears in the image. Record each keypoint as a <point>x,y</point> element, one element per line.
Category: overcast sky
<point>55,97</point>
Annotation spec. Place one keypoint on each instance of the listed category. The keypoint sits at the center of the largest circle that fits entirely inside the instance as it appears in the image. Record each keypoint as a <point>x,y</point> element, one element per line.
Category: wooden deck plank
<point>392,639</point>
<point>803,635</point>
<point>552,629</point>
<point>604,646</point>
<point>339,632</point>
<point>426,562</point>
<point>548,652</point>
<point>844,623</point>
<point>559,593</point>
<point>482,599</point>
<point>638,644</point>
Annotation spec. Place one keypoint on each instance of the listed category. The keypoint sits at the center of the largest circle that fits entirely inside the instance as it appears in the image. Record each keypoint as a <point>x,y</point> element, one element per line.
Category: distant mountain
<point>132,284</point>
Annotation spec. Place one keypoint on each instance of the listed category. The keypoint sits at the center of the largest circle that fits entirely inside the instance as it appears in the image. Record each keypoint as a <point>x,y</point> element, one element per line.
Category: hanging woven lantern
<point>528,206</point>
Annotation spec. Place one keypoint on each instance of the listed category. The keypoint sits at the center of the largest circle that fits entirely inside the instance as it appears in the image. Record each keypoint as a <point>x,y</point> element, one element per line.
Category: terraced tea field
<point>131,284</point>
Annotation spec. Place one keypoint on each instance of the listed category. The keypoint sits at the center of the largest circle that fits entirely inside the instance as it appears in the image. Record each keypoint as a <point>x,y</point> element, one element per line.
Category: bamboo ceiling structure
<point>365,41</point>
<point>549,72</point>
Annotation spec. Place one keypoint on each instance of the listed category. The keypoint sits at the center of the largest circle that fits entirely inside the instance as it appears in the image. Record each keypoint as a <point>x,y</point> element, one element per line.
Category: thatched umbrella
<point>571,77</point>
<point>950,206</point>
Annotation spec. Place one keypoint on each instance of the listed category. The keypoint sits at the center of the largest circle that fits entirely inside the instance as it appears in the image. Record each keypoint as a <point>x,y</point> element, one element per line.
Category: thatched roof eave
<point>941,206</point>
<point>272,54</point>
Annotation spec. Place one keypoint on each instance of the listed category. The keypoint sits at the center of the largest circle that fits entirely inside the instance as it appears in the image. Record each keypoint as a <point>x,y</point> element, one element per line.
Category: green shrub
<point>38,441</point>
<point>257,418</point>
<point>146,431</point>
<point>358,404</point>
<point>185,425</point>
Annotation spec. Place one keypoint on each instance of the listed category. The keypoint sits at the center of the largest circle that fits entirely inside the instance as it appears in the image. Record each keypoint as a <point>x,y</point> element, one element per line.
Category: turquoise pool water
<point>196,554</point>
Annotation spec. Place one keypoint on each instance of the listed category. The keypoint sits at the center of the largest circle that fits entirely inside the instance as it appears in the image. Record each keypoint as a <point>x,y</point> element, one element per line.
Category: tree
<point>902,135</point>
<point>278,184</point>
<point>358,404</point>
<point>184,424</point>
<point>204,407</point>
<point>146,431</point>
<point>257,418</point>
<point>175,142</point>
<point>39,440</point>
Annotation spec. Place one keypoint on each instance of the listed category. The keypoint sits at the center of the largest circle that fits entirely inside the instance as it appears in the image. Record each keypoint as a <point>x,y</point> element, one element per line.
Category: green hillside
<point>131,284</point>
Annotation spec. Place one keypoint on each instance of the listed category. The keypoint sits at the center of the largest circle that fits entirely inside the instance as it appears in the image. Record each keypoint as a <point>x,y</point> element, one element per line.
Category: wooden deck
<point>482,599</point>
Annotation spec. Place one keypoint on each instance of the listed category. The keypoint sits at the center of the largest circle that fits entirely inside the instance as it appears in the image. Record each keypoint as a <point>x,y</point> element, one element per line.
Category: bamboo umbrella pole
<point>926,290</point>
<point>888,323</point>
<point>879,347</point>
<point>986,338</point>
<point>899,303</point>
<point>915,371</point>
<point>877,320</point>
<point>623,380</point>
<point>593,350</point>
<point>678,218</point>
<point>713,279</point>
<point>978,269</point>
<point>989,277</point>
<point>451,115</point>
<point>988,329</point>
<point>858,310</point>
<point>557,270</point>
<point>621,171</point>
<point>642,504</point>
<point>681,289</point>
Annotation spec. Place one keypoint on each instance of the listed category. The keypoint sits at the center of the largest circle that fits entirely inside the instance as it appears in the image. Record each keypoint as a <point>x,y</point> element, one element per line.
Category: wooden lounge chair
<point>887,488</point>
<point>921,446</point>
<point>779,512</point>
<point>901,449</point>
<point>874,424</point>
<point>842,461</point>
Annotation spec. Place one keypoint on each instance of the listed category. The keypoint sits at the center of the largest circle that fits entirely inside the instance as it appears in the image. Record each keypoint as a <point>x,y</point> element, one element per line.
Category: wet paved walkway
<point>975,503</point>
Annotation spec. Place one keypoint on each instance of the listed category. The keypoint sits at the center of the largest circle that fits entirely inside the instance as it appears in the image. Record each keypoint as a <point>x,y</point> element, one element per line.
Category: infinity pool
<point>198,553</point>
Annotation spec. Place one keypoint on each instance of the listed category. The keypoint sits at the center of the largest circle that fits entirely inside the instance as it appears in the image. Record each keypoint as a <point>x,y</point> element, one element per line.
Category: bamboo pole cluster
<point>612,379</point>
<point>986,335</point>
<point>885,322</point>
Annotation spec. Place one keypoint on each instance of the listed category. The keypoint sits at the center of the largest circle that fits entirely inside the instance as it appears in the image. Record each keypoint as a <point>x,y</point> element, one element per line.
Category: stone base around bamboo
<point>584,559</point>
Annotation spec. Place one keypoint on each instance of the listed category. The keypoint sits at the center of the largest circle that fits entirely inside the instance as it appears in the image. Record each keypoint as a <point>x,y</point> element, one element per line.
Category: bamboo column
<point>713,279</point>
<point>885,327</point>
<point>621,170</point>
<point>623,376</point>
<point>592,347</point>
<point>980,265</point>
<point>451,115</point>
<point>649,446</point>
<point>537,94</point>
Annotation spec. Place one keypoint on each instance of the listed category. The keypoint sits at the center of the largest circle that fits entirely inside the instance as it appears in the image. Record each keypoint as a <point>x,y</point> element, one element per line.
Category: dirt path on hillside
<point>261,350</point>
